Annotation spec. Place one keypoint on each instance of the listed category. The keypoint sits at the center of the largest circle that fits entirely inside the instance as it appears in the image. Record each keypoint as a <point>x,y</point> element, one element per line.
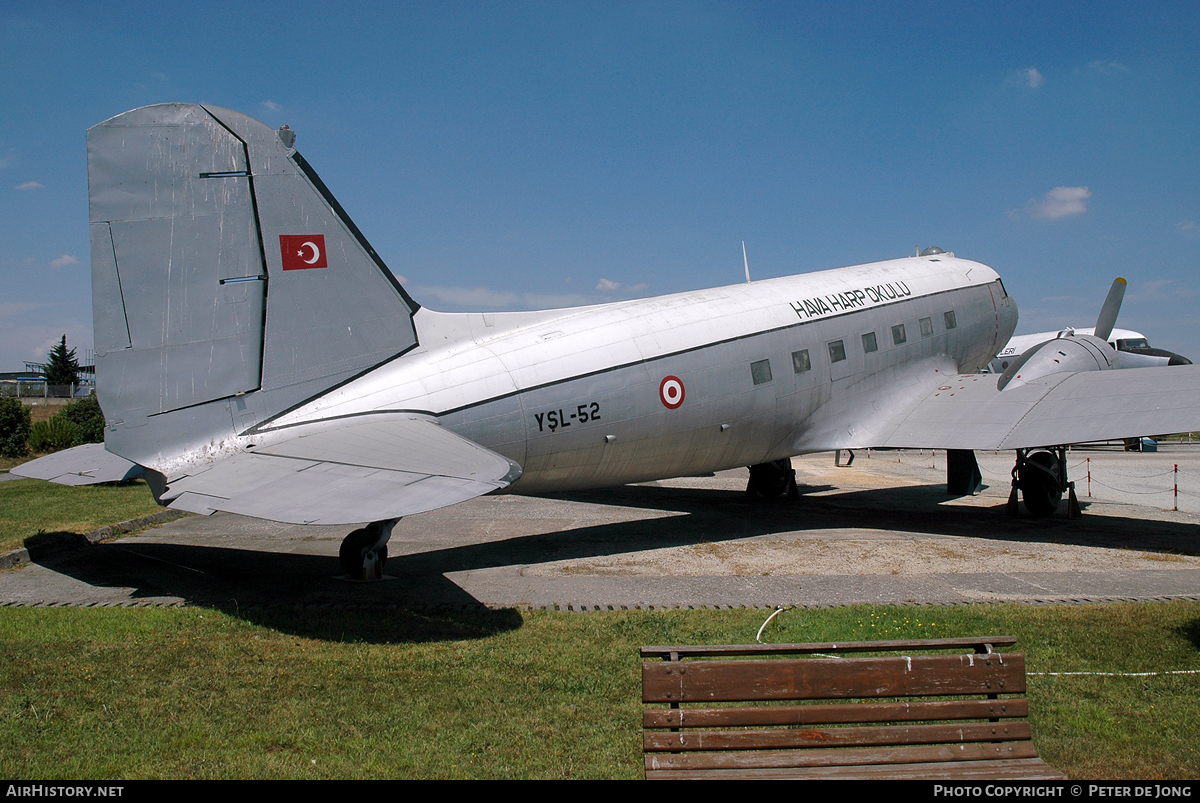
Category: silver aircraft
<point>1134,350</point>
<point>255,355</point>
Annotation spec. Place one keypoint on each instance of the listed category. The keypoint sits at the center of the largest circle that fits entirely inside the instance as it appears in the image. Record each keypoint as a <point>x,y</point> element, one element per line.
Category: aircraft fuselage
<point>1132,348</point>
<point>686,383</point>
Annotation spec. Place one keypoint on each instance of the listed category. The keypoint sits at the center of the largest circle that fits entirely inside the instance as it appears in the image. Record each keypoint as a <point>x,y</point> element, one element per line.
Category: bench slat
<point>840,757</point>
<point>1029,769</point>
<point>832,678</point>
<point>831,737</point>
<point>838,713</point>
<point>711,650</point>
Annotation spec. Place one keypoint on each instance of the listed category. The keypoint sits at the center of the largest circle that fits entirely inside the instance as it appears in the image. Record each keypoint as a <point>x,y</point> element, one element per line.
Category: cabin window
<point>760,372</point>
<point>800,361</point>
<point>950,322</point>
<point>926,327</point>
<point>870,343</point>
<point>837,351</point>
<point>898,334</point>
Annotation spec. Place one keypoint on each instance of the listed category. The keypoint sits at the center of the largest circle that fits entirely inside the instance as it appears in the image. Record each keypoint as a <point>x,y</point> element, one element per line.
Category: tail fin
<point>228,285</point>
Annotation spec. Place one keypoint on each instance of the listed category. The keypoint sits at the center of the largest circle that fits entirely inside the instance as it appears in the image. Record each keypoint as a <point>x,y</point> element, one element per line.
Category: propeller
<point>1112,305</point>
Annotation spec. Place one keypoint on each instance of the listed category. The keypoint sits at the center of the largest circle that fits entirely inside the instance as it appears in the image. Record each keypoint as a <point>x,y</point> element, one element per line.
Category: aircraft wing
<point>967,411</point>
<point>371,468</point>
<point>81,465</point>
<point>927,404</point>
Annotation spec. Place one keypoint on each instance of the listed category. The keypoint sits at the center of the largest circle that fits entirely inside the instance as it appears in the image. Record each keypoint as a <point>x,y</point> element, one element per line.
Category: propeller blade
<point>1108,313</point>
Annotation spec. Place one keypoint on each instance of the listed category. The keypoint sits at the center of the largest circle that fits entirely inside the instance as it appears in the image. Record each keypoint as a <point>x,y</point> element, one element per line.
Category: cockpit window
<point>1129,344</point>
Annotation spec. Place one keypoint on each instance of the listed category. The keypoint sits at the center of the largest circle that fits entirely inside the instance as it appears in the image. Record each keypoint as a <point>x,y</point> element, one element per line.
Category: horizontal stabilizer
<point>82,465</point>
<point>368,468</point>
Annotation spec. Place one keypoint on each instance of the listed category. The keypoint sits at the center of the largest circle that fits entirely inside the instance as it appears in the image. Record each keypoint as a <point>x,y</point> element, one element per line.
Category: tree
<point>85,414</point>
<point>62,368</point>
<point>14,428</point>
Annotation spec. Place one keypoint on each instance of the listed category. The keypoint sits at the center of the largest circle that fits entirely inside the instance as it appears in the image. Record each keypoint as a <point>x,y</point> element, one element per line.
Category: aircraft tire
<point>354,551</point>
<point>1041,485</point>
<point>770,480</point>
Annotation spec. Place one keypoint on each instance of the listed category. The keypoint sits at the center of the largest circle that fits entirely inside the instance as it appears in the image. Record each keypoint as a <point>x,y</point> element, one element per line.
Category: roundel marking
<point>670,392</point>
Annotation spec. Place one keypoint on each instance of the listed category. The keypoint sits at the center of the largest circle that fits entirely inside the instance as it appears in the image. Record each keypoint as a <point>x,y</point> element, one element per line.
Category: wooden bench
<point>752,712</point>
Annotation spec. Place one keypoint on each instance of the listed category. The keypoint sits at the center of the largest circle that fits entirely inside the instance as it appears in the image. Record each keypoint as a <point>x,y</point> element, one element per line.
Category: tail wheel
<point>357,557</point>
<point>1040,479</point>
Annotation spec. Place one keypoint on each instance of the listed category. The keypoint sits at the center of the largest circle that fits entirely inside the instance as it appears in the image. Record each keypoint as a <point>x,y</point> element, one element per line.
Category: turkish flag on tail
<point>302,251</point>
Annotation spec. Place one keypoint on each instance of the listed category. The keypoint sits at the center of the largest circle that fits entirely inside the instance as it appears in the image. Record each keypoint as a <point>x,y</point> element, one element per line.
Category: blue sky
<point>525,155</point>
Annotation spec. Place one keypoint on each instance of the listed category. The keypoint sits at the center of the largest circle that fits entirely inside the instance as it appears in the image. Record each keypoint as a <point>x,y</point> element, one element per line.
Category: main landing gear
<point>1041,477</point>
<point>773,479</point>
<point>364,551</point>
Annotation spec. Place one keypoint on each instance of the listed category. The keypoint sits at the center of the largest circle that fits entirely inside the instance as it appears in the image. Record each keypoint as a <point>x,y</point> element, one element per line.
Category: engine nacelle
<point>1067,353</point>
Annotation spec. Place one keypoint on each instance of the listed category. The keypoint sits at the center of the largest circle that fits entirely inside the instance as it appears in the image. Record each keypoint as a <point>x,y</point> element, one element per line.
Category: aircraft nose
<point>1178,359</point>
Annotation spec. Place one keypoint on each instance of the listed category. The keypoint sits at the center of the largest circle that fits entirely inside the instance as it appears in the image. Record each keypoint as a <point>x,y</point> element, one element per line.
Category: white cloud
<point>28,185</point>
<point>1032,78</point>
<point>608,286</point>
<point>271,106</point>
<point>28,333</point>
<point>556,301</point>
<point>1159,291</point>
<point>153,82</point>
<point>477,298</point>
<point>1188,228</point>
<point>1059,202</point>
<point>16,309</point>
<point>63,261</point>
<point>465,296</point>
<point>1104,67</point>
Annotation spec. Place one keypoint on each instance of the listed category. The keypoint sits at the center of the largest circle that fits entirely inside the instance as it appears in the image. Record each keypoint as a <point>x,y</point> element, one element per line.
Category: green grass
<point>198,693</point>
<point>30,506</point>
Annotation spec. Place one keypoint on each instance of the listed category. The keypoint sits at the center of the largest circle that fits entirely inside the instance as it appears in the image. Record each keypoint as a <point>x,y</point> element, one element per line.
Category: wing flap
<point>369,469</point>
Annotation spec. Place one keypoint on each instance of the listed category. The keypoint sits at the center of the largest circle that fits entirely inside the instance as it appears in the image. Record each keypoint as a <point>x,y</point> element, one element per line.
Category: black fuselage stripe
<point>623,366</point>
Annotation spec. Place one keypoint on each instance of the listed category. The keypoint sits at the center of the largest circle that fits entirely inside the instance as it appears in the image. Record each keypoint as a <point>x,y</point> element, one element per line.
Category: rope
<point>1116,674</point>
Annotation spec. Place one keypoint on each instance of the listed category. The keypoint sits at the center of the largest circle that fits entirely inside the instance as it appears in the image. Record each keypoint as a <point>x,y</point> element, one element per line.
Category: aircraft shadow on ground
<point>390,625</point>
<point>916,509</point>
<point>280,590</point>
<point>1191,631</point>
<point>267,585</point>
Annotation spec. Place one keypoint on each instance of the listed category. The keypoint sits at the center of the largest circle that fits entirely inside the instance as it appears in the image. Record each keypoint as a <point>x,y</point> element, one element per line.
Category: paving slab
<point>880,531</point>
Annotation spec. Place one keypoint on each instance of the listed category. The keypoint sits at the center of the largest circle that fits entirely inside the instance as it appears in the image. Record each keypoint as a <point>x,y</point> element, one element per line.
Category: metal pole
<point>1089,470</point>
<point>1176,487</point>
